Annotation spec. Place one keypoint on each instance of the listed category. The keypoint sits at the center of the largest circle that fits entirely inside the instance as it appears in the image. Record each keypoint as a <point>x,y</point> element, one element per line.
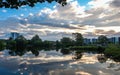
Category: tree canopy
<point>78,39</point>
<point>18,3</point>
<point>103,40</point>
<point>66,42</point>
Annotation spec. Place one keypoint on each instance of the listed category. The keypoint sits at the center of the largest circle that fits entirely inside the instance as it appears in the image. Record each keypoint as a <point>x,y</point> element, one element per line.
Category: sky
<point>52,21</point>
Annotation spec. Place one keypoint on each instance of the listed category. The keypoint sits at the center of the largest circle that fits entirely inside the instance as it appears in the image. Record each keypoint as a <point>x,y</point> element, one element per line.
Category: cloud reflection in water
<point>53,63</point>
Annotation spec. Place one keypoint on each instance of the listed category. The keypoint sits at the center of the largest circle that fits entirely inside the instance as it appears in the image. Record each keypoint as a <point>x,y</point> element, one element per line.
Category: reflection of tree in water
<point>22,52</point>
<point>15,53</point>
<point>65,51</point>
<point>102,58</point>
<point>35,52</point>
<point>78,55</point>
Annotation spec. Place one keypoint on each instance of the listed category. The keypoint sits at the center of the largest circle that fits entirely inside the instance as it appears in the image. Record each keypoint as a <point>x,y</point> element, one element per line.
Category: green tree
<point>79,40</point>
<point>11,44</point>
<point>18,3</point>
<point>57,44</point>
<point>48,44</point>
<point>113,51</point>
<point>103,40</point>
<point>66,42</point>
<point>21,43</point>
<point>2,44</point>
<point>36,38</point>
<point>35,43</point>
<point>17,46</point>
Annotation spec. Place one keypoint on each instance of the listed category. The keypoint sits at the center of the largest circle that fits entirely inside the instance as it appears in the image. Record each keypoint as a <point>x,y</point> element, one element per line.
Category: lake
<point>55,63</point>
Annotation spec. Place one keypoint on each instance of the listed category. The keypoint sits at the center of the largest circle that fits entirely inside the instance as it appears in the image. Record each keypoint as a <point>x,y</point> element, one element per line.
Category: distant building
<point>119,40</point>
<point>87,41</point>
<point>14,35</point>
<point>113,40</point>
<point>94,40</point>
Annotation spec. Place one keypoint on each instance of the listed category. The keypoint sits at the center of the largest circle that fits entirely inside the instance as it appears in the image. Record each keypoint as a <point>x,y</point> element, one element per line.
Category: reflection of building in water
<point>14,35</point>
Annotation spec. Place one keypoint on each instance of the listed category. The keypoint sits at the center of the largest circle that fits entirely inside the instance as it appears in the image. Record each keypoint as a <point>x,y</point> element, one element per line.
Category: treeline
<point>36,43</point>
<point>21,45</point>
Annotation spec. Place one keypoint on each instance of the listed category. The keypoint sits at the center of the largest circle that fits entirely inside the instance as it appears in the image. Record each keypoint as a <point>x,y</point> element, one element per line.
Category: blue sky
<point>52,21</point>
<point>23,10</point>
<point>26,10</point>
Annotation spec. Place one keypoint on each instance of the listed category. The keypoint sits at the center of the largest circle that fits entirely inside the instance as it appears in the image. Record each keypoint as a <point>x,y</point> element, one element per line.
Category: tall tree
<point>103,40</point>
<point>78,39</point>
<point>57,44</point>
<point>66,42</point>
<point>21,43</point>
<point>48,44</point>
<point>35,43</point>
<point>11,44</point>
<point>2,44</point>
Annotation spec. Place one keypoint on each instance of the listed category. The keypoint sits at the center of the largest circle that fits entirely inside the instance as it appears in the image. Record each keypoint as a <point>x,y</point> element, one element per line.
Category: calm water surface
<point>55,63</point>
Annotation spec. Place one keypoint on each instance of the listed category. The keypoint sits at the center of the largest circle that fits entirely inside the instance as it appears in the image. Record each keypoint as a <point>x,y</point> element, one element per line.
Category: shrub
<point>113,52</point>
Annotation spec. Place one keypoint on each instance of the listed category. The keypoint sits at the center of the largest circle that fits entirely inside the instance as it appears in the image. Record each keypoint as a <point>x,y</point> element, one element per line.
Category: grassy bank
<point>112,51</point>
<point>88,48</point>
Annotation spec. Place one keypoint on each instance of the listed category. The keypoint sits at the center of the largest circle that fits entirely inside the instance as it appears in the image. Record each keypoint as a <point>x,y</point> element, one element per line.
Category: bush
<point>113,52</point>
<point>2,45</point>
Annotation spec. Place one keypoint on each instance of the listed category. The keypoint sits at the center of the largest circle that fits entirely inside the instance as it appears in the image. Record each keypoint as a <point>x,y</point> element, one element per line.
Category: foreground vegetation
<point>113,51</point>
<point>16,4</point>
